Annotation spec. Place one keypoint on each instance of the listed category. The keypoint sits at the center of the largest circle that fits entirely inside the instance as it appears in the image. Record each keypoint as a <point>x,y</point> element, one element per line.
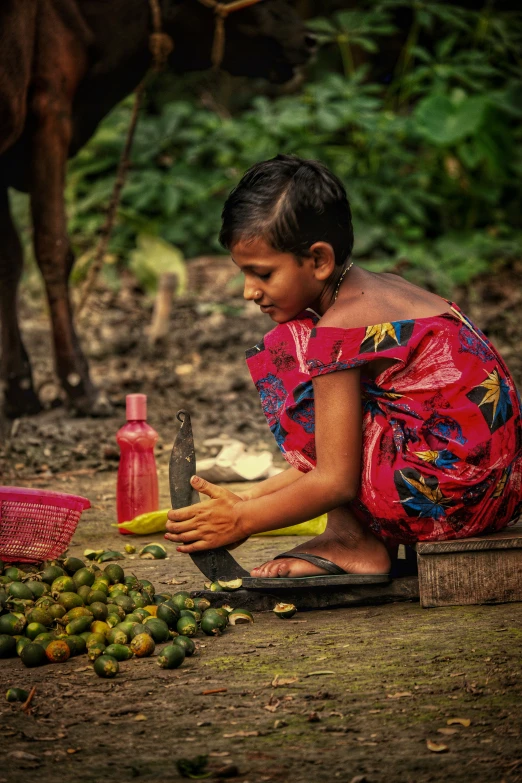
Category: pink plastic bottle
<point>137,486</point>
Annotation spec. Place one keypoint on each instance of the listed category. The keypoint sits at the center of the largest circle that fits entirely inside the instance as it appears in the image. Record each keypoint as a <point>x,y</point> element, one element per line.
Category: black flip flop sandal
<point>336,575</point>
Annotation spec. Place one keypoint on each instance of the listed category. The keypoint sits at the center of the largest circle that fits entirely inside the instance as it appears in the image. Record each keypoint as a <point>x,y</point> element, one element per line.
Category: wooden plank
<point>509,538</point>
<point>344,581</point>
<point>403,589</point>
<point>485,576</point>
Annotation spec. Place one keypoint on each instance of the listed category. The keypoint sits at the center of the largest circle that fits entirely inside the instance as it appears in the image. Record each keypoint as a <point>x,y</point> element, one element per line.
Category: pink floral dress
<point>442,430</point>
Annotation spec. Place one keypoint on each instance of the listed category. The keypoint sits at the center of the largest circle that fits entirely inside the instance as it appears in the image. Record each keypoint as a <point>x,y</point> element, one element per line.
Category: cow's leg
<point>50,143</point>
<point>15,370</point>
<point>55,259</point>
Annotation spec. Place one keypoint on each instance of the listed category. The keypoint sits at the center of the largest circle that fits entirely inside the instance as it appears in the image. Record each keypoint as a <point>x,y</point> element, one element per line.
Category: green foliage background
<point>427,140</point>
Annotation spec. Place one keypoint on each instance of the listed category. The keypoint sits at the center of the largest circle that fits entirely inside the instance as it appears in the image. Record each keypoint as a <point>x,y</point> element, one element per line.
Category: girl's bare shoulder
<point>374,298</point>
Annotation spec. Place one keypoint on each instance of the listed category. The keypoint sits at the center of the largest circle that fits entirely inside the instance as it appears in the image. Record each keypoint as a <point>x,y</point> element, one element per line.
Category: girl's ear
<point>324,259</point>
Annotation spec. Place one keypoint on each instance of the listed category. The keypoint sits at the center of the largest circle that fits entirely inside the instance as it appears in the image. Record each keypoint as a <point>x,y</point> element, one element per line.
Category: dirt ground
<point>349,694</point>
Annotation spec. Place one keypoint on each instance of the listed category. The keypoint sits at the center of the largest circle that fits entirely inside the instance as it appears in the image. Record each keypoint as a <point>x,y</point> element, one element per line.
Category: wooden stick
<point>214,690</point>
<point>159,327</point>
<point>27,703</point>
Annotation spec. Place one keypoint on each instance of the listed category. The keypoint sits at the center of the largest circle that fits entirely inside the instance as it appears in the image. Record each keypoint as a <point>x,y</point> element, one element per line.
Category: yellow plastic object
<point>314,527</point>
<point>155,522</point>
<point>152,522</point>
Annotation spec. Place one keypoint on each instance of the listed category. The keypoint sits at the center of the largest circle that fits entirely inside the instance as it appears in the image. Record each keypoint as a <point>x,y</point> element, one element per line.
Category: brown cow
<point>63,65</point>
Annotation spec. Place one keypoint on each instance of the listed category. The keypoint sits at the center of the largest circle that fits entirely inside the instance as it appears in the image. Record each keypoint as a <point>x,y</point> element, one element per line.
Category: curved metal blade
<point>214,563</point>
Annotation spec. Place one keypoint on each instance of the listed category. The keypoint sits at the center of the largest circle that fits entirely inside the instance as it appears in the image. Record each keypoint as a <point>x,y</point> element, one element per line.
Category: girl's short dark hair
<point>290,203</point>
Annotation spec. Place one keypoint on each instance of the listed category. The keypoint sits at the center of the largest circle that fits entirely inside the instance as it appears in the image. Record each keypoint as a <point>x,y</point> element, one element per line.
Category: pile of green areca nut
<point>72,608</point>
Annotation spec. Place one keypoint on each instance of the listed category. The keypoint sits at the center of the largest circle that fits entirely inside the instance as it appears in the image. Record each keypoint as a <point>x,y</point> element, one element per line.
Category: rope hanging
<point>221,12</point>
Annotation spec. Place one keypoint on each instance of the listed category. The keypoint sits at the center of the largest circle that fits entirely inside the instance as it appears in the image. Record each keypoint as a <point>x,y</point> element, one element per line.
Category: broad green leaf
<point>153,257</point>
<point>444,122</point>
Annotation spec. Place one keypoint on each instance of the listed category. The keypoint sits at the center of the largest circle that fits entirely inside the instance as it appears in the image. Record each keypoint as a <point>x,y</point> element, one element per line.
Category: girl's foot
<point>348,545</point>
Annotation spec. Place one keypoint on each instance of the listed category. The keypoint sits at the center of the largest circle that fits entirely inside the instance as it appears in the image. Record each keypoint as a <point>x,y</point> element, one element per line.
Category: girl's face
<point>276,281</point>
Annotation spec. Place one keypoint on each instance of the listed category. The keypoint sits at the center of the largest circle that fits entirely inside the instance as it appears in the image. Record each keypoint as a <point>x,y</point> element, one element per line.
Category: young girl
<point>397,415</point>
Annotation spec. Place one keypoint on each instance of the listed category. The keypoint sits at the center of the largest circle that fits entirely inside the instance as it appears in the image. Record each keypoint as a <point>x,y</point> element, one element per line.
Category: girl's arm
<point>272,484</point>
<point>334,482</point>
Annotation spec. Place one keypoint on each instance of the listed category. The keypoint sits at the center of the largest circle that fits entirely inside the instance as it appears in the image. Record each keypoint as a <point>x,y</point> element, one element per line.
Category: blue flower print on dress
<point>441,459</point>
<point>443,427</point>
<point>470,343</point>
<point>420,495</point>
<point>381,337</point>
<point>403,434</point>
<point>272,393</point>
<point>303,411</point>
<point>384,401</point>
<point>493,398</point>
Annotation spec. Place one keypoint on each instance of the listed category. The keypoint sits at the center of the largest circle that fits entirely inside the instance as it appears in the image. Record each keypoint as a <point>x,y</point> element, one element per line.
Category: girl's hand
<point>205,525</point>
<point>245,495</point>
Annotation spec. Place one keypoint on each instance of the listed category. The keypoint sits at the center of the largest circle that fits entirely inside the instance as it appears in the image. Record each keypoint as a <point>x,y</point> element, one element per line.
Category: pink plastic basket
<point>37,524</point>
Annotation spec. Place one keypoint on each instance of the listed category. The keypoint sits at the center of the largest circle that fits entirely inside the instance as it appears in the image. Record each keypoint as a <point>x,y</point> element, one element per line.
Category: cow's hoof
<point>97,406</point>
<point>20,399</point>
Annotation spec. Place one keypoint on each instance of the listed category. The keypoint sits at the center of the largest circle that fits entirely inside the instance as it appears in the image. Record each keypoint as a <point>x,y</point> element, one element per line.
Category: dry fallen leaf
<point>398,695</point>
<point>461,721</point>
<point>319,673</point>
<point>272,705</point>
<point>281,682</point>
<point>72,750</point>
<point>448,732</point>
<point>242,734</point>
<point>436,747</point>
<point>21,755</point>
<point>140,716</point>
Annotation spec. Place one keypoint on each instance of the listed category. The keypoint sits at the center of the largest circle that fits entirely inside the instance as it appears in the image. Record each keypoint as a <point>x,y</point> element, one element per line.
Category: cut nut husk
<point>240,617</point>
<point>153,552</point>
<point>214,587</point>
<point>104,557</point>
<point>436,747</point>
<point>285,611</point>
<point>92,554</point>
<point>232,584</point>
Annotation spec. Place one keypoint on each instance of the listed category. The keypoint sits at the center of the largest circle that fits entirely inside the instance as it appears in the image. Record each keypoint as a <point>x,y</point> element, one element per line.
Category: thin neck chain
<point>337,287</point>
